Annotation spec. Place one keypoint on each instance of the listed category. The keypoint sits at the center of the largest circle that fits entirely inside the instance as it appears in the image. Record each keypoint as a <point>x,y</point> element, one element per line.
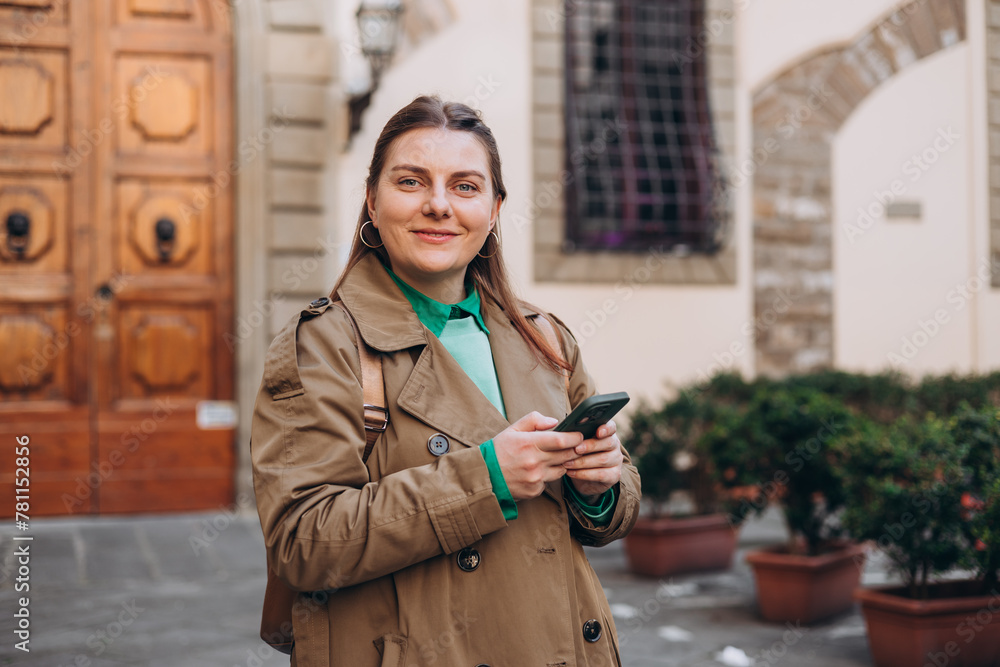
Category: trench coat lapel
<point>438,391</point>
<point>441,394</point>
<point>525,383</point>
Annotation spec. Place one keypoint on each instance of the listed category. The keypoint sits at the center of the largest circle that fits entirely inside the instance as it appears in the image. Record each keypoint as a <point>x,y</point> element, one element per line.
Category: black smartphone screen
<point>588,416</point>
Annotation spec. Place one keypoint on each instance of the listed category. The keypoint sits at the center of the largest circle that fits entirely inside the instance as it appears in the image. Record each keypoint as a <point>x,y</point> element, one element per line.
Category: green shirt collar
<point>435,315</point>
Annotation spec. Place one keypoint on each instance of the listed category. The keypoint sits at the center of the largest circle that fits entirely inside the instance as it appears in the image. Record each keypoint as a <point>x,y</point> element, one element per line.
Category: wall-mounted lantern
<point>378,30</point>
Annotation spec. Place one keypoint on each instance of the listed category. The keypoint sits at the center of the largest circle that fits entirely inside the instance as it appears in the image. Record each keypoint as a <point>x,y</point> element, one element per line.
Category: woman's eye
<point>409,182</point>
<point>466,187</point>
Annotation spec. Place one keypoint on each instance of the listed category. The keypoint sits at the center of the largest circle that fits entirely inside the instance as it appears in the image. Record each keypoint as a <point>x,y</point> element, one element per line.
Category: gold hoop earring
<point>497,237</point>
<point>361,235</point>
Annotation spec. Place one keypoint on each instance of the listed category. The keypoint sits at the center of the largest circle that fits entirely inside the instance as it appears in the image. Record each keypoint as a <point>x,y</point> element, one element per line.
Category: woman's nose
<point>437,204</point>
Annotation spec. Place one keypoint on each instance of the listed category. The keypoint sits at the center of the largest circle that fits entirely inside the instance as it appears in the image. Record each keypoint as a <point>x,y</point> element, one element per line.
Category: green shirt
<point>461,329</point>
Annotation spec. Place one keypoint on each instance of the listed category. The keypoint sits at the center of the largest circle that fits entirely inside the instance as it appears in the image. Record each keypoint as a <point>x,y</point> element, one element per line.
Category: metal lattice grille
<point>639,132</point>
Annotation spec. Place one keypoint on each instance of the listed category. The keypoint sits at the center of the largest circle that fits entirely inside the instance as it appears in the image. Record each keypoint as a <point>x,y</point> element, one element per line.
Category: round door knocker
<point>18,233</point>
<point>166,235</point>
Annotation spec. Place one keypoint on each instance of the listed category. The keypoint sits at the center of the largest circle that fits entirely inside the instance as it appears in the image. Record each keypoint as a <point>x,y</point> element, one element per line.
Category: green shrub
<point>888,459</point>
<point>780,440</point>
<point>667,445</point>
<point>907,488</point>
<point>980,431</point>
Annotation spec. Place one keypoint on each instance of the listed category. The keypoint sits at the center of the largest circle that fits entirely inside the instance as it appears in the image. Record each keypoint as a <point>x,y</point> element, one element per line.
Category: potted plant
<point>787,430</point>
<point>687,523</point>
<point>927,493</point>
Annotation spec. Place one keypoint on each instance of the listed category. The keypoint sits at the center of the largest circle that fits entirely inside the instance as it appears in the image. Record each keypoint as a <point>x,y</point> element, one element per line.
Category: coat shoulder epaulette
<point>281,368</point>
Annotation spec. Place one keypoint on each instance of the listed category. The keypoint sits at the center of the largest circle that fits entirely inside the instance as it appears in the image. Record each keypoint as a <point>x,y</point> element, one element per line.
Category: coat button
<point>468,559</point>
<point>592,630</point>
<point>438,444</point>
<point>319,303</point>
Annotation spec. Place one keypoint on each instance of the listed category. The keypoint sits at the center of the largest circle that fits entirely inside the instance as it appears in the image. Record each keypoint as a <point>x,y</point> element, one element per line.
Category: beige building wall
<point>913,292</point>
<point>898,291</point>
<point>985,118</point>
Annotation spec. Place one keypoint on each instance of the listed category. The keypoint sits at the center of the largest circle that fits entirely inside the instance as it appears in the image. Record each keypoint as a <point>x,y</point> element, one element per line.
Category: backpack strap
<point>552,338</point>
<point>276,616</point>
<point>373,387</point>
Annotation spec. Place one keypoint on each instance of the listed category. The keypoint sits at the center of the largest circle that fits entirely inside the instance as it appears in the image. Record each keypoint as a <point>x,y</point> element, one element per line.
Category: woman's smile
<point>434,236</point>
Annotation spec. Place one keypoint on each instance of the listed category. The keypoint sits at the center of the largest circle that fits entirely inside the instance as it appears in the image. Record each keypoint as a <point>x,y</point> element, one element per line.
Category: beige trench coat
<point>391,545</point>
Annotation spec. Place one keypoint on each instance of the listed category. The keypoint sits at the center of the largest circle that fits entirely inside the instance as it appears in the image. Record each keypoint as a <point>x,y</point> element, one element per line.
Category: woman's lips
<point>434,237</point>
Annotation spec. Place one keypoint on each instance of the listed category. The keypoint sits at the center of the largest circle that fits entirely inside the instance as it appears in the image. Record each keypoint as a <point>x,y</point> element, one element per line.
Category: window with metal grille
<point>640,148</point>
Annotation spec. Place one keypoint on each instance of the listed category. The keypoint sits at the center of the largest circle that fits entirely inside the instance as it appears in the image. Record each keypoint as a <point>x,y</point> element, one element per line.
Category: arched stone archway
<point>796,117</point>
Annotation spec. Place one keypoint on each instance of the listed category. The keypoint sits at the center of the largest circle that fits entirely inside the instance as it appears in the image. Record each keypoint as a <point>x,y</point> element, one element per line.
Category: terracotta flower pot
<point>806,589</point>
<point>661,547</point>
<point>957,627</point>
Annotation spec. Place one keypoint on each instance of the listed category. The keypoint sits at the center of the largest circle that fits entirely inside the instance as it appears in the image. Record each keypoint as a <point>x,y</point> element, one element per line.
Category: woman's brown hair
<point>488,274</point>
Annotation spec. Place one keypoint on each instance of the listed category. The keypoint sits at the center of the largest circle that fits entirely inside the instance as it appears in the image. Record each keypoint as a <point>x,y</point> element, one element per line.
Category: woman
<point>458,540</point>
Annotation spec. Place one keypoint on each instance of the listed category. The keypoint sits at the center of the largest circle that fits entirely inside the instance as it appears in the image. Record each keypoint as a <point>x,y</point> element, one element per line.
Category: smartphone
<point>588,416</point>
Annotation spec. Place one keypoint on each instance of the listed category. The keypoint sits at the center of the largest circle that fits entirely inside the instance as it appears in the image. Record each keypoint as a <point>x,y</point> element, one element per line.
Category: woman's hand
<point>598,464</point>
<point>530,454</point>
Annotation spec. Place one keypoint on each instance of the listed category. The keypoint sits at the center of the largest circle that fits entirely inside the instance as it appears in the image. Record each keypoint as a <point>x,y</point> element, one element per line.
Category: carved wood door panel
<point>115,251</point>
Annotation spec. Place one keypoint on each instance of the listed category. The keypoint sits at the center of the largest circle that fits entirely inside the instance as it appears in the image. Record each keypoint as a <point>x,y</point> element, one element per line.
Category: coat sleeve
<point>627,492</point>
<point>326,525</point>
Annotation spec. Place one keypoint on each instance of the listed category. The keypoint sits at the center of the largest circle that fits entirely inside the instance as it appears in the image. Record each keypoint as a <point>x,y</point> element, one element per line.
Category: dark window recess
<point>640,146</point>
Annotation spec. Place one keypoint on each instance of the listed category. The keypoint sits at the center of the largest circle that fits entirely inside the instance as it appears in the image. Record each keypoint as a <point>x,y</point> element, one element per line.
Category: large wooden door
<point>116,252</point>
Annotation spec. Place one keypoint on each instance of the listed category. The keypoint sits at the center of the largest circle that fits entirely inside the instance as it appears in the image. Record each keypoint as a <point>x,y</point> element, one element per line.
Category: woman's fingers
<point>530,454</point>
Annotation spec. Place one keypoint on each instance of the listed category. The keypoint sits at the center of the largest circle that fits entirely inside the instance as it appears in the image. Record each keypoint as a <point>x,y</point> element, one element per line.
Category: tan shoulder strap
<point>552,338</point>
<point>373,387</point>
<point>276,616</point>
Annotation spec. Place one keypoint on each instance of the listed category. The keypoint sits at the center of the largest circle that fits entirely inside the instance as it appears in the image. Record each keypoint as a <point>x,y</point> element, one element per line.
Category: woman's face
<point>434,208</point>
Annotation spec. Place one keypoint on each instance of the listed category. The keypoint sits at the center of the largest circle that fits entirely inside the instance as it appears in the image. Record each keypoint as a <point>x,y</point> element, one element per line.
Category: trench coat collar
<point>385,318</point>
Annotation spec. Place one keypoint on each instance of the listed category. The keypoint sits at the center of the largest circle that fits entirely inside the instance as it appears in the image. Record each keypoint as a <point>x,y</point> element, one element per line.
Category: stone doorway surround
<point>796,117</point>
<point>287,124</point>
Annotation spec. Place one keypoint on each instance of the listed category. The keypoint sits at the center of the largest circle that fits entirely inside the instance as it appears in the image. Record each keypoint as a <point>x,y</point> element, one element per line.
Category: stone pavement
<point>185,590</point>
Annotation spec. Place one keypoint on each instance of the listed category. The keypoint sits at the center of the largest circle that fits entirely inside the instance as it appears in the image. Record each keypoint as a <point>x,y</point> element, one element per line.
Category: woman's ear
<point>370,200</point>
<point>495,213</point>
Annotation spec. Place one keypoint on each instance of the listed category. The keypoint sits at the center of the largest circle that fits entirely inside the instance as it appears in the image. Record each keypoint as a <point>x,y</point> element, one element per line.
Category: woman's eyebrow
<point>425,172</point>
<point>469,173</point>
<point>410,167</point>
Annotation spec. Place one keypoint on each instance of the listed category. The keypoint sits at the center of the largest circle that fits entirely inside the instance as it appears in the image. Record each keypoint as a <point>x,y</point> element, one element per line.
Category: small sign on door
<point>216,415</point>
